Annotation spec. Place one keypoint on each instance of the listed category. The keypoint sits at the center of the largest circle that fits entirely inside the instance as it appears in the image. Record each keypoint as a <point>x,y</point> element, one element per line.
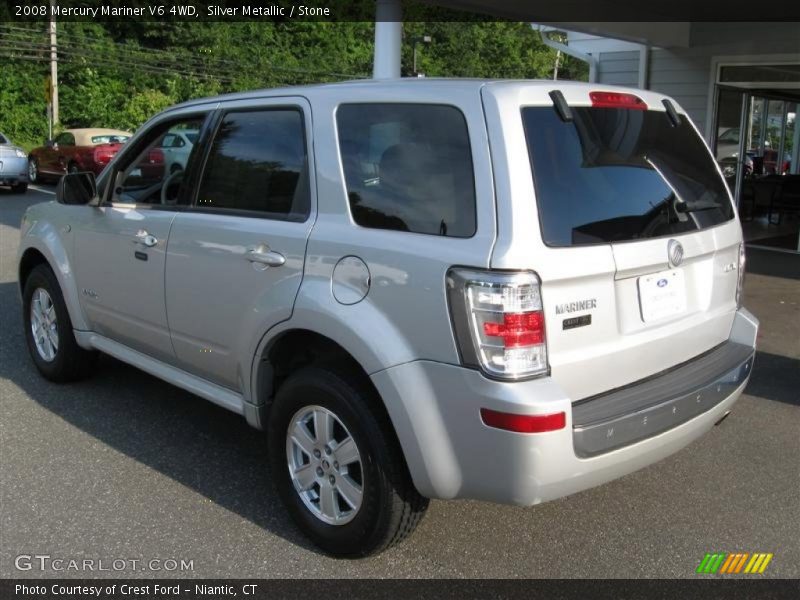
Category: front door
<point>235,259</point>
<point>51,157</point>
<point>120,248</point>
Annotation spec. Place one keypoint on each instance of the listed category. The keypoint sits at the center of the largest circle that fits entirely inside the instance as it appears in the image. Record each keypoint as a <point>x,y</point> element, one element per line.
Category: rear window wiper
<point>687,206</point>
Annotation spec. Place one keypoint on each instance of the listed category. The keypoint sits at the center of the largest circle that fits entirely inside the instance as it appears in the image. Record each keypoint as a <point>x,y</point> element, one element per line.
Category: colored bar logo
<point>725,563</point>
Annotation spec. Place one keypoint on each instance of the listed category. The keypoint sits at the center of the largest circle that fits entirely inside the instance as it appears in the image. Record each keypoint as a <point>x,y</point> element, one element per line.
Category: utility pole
<point>53,64</point>
<point>555,69</point>
<point>425,39</point>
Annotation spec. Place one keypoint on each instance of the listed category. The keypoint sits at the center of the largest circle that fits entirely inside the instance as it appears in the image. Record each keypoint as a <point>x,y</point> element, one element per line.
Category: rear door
<point>619,186</point>
<point>235,259</point>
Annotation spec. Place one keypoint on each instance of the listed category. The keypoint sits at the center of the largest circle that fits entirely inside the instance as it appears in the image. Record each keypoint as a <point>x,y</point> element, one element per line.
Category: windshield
<point>616,175</point>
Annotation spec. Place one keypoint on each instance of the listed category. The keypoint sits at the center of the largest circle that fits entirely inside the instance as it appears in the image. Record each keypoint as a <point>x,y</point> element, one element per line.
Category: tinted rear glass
<point>109,139</point>
<point>408,167</point>
<point>616,175</point>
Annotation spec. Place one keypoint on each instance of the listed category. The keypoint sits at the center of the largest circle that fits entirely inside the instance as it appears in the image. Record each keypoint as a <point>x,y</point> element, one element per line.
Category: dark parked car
<point>75,150</point>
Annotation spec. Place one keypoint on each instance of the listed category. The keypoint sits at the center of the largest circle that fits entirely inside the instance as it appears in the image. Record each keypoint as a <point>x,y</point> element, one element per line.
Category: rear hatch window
<point>620,174</point>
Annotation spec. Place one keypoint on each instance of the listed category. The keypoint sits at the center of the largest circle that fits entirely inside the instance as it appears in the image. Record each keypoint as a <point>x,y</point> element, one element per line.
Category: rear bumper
<point>452,454</point>
<point>13,171</point>
<point>609,421</point>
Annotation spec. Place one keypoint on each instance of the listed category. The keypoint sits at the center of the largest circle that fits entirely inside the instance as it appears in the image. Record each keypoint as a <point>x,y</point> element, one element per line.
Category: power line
<point>163,58</point>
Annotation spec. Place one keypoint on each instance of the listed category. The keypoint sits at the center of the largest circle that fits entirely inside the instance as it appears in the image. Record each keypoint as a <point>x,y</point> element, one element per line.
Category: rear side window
<point>616,174</point>
<point>408,167</point>
<point>258,163</point>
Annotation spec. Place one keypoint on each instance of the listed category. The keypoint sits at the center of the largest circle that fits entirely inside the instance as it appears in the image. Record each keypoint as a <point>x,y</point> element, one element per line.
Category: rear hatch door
<point>618,186</point>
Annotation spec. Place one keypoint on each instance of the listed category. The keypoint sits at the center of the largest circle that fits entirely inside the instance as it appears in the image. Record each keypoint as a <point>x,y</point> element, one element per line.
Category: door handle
<point>262,254</point>
<point>145,239</point>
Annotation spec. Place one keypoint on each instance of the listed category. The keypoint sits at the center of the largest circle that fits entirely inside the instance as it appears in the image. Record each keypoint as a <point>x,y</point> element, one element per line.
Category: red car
<point>75,150</point>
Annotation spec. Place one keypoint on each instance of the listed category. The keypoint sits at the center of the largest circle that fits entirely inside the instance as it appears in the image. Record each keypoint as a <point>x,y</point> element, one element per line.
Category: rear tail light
<point>498,321</point>
<point>740,282</point>
<point>155,156</point>
<point>102,156</point>
<point>616,100</point>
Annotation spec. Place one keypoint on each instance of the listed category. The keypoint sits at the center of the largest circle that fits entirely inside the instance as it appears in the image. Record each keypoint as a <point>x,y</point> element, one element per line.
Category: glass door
<point>757,150</point>
<point>730,105</point>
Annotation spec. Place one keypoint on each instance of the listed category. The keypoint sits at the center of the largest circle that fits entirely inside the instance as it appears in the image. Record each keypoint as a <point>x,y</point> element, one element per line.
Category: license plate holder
<point>662,295</point>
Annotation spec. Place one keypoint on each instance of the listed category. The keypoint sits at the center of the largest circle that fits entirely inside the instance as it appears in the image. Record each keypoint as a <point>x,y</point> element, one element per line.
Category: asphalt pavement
<point>125,467</point>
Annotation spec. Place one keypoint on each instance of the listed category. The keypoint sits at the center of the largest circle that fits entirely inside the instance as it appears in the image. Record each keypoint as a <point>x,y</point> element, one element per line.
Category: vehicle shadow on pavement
<point>204,447</point>
<point>14,204</point>
<point>776,378</point>
<point>772,263</point>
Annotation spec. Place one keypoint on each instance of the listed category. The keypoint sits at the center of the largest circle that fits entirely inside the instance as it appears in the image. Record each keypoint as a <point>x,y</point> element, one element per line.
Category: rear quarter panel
<point>404,316</point>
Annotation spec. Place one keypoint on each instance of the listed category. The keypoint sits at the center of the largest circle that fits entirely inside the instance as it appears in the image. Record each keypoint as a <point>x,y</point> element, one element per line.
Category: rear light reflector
<point>498,321</point>
<point>523,423</point>
<point>616,100</point>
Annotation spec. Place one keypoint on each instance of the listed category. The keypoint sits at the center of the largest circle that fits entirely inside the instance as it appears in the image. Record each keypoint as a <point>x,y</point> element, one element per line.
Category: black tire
<point>33,171</point>
<point>72,168</point>
<point>19,188</point>
<point>391,507</point>
<point>175,168</point>
<point>71,362</point>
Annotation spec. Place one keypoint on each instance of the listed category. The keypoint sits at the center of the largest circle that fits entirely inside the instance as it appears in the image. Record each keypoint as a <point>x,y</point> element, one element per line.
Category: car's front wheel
<point>337,464</point>
<point>48,330</point>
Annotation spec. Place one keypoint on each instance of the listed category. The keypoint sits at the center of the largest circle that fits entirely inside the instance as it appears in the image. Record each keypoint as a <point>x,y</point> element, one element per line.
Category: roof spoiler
<point>561,106</point>
<point>674,117</point>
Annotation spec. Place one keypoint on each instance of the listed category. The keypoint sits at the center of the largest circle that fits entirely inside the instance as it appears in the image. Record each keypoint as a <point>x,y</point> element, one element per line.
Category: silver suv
<point>507,291</point>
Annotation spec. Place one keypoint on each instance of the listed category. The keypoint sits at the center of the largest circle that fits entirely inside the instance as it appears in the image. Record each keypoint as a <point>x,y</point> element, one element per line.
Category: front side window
<point>408,167</point>
<point>151,177</point>
<point>65,139</point>
<point>172,140</point>
<point>617,174</point>
<point>258,163</point>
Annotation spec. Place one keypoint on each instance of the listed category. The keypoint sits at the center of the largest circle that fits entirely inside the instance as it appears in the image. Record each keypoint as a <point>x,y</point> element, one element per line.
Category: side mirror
<point>77,188</point>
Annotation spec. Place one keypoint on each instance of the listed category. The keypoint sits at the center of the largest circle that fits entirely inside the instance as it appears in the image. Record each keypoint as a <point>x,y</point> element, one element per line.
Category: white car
<point>177,146</point>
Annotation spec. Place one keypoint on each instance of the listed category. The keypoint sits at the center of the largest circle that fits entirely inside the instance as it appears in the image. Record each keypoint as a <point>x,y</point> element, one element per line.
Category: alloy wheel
<point>44,324</point>
<point>324,465</point>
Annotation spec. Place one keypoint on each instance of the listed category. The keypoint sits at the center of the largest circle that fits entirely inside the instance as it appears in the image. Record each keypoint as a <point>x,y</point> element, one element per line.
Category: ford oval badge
<point>662,282</point>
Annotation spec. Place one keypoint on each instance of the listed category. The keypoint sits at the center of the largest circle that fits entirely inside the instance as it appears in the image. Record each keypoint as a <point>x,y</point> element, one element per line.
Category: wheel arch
<point>30,259</point>
<point>295,348</point>
<point>53,254</point>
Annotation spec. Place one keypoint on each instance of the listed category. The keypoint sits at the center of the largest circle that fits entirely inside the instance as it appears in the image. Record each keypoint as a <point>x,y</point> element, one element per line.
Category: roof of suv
<point>463,85</point>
